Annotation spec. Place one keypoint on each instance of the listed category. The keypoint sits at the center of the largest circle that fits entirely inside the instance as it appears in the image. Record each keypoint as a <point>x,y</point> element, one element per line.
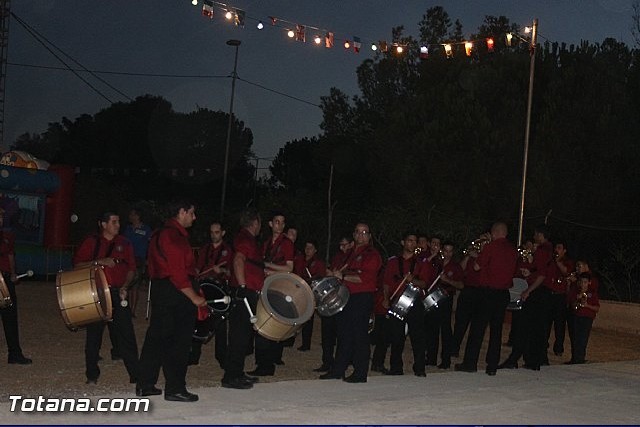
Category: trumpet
<point>476,245</point>
<point>581,301</point>
<point>417,250</point>
<point>524,253</point>
<point>559,280</point>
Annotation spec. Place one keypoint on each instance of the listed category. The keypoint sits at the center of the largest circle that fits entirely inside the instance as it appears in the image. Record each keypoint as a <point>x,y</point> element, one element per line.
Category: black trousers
<point>581,330</point>
<point>122,336</point>
<point>168,338</point>
<point>489,312</point>
<point>379,341</point>
<point>353,336</point>
<point>240,337</point>
<point>557,321</point>
<point>220,340</point>
<point>468,298</point>
<point>307,332</point>
<point>329,336</point>
<point>438,324</point>
<point>10,320</point>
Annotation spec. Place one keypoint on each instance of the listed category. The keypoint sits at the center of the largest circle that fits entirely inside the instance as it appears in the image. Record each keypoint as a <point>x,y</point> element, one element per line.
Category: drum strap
<point>401,265</point>
<point>96,248</point>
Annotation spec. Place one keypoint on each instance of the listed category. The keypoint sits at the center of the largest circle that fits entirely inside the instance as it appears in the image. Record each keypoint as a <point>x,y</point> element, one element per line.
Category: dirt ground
<point>58,354</point>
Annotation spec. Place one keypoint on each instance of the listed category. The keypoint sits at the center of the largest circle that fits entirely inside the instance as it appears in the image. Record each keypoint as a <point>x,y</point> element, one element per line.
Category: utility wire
<point>278,92</point>
<point>42,39</point>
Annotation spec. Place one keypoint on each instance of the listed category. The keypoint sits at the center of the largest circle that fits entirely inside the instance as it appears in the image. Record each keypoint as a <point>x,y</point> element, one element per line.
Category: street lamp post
<point>235,43</point>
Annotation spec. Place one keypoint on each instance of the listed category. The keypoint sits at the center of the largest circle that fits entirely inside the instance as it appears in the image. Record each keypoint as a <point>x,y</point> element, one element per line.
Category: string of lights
<point>328,38</point>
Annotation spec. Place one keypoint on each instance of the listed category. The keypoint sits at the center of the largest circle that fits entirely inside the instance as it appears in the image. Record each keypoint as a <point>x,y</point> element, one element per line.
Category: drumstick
<point>202,273</point>
<point>435,281</point>
<point>29,273</point>
<point>226,300</point>
<point>252,317</point>
<point>404,279</point>
<point>308,272</point>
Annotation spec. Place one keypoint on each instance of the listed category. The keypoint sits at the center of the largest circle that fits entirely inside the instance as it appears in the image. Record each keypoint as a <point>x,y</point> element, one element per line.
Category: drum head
<point>519,286</point>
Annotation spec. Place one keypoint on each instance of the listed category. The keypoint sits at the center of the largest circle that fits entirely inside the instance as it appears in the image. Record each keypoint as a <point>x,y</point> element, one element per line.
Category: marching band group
<point>412,294</point>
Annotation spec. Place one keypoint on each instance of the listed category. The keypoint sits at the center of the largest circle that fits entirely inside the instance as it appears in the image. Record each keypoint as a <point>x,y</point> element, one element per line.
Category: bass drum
<point>213,291</point>
<point>331,295</point>
<point>83,296</point>
<point>285,303</point>
<point>519,286</point>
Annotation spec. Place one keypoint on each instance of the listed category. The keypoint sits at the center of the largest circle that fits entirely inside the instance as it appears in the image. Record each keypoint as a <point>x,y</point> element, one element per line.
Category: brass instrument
<point>560,280</point>
<point>581,301</point>
<point>417,250</point>
<point>441,254</point>
<point>524,253</point>
<point>476,245</point>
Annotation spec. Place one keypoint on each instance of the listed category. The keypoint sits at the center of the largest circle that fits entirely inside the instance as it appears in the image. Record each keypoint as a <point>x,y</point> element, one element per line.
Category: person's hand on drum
<point>13,278</point>
<point>107,262</point>
<point>525,272</point>
<point>524,295</point>
<point>123,293</point>
<point>199,300</point>
<point>385,303</point>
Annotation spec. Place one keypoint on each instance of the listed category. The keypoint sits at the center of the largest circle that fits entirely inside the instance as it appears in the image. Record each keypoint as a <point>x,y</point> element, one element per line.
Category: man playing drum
<point>174,303</point>
<point>359,274</point>
<point>214,266</point>
<point>113,253</point>
<point>9,313</point>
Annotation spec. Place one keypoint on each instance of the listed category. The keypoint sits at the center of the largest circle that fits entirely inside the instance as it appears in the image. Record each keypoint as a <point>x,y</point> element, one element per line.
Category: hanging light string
<point>327,37</point>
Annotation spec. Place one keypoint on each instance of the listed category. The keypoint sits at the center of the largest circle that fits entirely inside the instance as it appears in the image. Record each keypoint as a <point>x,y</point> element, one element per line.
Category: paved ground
<point>595,394</point>
<point>605,391</point>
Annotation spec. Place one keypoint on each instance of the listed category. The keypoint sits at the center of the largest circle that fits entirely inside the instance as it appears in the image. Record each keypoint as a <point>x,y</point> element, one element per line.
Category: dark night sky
<point>172,37</point>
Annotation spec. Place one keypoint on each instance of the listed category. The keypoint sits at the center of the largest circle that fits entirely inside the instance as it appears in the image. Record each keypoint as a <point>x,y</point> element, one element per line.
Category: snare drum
<point>205,329</point>
<point>5,295</point>
<point>401,306</point>
<point>331,295</point>
<point>285,303</point>
<point>434,298</point>
<point>519,286</point>
<point>83,296</point>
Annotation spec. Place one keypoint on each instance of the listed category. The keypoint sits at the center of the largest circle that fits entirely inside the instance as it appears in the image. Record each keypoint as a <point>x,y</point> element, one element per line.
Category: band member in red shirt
<point>328,327</point>
<point>530,339</point>
<point>114,253</point>
<point>439,320</point>
<point>360,276</point>
<point>174,303</point>
<point>582,266</point>
<point>214,266</point>
<point>309,266</point>
<point>246,282</point>
<point>10,314</point>
<point>584,302</point>
<point>564,266</point>
<point>278,254</point>
<point>496,264</point>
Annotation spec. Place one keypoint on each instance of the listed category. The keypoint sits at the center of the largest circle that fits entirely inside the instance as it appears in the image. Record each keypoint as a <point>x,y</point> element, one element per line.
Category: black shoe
<point>304,348</point>
<point>148,391</point>
<point>237,383</point>
<point>461,367</point>
<point>19,360</point>
<point>507,364</point>
<point>91,381</point>
<point>262,372</point>
<point>394,372</point>
<point>249,379</point>
<point>491,372</point>
<point>531,367</point>
<point>444,365</point>
<point>323,368</point>
<point>185,396</point>
<point>353,379</point>
<point>330,376</point>
<point>420,374</point>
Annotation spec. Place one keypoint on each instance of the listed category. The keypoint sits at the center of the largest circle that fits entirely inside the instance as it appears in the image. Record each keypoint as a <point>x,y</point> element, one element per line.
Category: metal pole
<point>532,48</point>
<point>235,43</point>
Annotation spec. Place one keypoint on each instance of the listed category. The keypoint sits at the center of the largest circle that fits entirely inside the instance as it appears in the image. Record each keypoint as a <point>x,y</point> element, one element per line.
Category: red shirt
<point>7,245</point>
<point>209,255</point>
<point>592,299</point>
<point>471,277</point>
<point>280,251</point>
<point>339,259</point>
<point>246,244</point>
<point>559,284</point>
<point>315,266</point>
<point>364,261</point>
<point>395,270</point>
<point>497,263</point>
<point>118,248</point>
<point>170,255</point>
<point>453,271</point>
<point>543,264</point>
